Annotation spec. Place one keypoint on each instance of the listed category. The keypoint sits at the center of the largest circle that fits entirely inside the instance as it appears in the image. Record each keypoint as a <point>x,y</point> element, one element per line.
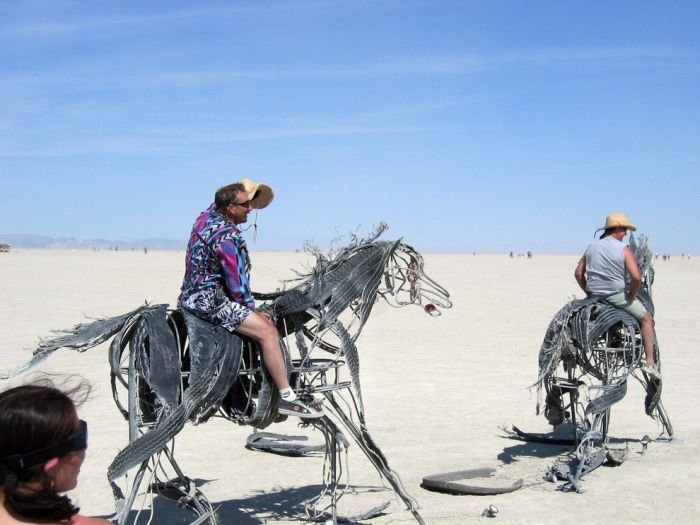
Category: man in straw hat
<point>216,286</point>
<point>601,273</point>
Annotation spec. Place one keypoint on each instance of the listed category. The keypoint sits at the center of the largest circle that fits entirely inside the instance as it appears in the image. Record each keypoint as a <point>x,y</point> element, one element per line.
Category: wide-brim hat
<point>618,220</point>
<point>259,193</point>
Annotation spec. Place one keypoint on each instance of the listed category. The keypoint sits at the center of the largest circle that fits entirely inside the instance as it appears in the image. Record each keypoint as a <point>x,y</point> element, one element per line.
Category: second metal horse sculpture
<point>593,348</point>
<point>324,312</point>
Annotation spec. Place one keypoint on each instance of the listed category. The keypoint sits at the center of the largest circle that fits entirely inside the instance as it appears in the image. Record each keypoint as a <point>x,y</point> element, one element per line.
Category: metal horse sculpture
<point>594,348</point>
<point>323,312</point>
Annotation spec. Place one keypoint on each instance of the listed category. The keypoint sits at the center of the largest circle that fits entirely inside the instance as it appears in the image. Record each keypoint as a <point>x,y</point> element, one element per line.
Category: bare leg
<point>646,324</point>
<point>259,328</point>
<point>262,331</point>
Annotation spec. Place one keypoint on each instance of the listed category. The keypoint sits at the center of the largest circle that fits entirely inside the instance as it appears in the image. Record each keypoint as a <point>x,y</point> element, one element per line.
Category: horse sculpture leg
<point>123,506</point>
<point>331,478</point>
<point>375,456</point>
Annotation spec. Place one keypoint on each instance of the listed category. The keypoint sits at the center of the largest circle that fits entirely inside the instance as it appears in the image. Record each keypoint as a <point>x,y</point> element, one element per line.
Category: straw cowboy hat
<point>259,193</point>
<point>617,220</point>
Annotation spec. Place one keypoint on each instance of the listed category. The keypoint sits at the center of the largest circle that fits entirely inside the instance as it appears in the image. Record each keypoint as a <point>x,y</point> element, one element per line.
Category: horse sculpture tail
<point>81,337</point>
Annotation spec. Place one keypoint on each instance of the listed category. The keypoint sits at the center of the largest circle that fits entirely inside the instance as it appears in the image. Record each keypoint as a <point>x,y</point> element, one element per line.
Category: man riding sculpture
<point>602,272</point>
<point>216,286</point>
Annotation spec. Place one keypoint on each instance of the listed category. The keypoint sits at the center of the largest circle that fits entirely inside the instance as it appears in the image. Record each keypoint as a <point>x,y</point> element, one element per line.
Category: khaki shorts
<point>622,301</point>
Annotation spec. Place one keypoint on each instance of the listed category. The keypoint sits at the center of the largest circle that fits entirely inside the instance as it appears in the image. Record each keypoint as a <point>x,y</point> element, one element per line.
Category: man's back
<point>605,266</point>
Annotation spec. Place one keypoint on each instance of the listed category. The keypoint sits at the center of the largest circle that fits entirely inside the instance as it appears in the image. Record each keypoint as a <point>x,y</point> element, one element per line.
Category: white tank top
<point>605,266</point>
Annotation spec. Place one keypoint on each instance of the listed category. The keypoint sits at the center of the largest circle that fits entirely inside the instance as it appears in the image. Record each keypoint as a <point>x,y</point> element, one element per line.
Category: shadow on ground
<point>262,507</point>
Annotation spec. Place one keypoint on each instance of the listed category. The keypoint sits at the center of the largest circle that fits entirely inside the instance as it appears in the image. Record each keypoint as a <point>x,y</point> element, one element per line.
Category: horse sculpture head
<point>639,244</point>
<point>344,285</point>
<point>405,282</point>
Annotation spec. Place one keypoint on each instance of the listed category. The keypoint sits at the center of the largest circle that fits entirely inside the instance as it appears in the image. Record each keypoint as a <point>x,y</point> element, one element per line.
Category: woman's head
<point>42,445</point>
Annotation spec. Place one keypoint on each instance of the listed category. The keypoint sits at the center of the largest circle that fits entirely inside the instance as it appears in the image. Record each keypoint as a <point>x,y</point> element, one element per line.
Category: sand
<point>437,392</point>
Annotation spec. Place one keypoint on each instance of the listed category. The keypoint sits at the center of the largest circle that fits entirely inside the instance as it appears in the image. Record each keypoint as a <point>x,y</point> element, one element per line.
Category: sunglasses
<point>246,204</point>
<point>76,441</point>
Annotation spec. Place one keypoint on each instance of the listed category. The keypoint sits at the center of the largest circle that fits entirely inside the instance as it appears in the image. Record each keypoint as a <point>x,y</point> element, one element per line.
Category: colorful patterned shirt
<point>216,263</point>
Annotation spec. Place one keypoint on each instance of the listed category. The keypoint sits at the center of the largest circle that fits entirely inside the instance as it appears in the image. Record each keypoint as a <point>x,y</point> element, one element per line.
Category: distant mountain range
<point>21,240</point>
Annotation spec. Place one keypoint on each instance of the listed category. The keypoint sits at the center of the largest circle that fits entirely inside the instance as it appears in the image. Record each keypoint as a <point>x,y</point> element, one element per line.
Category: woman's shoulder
<point>87,520</point>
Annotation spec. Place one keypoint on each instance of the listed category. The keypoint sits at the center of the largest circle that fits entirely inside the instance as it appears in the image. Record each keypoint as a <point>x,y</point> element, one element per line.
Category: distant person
<point>216,286</point>
<point>601,272</point>
<point>42,446</point>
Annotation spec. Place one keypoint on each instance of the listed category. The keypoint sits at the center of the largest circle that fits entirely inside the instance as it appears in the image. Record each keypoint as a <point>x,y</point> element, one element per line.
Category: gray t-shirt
<point>605,266</point>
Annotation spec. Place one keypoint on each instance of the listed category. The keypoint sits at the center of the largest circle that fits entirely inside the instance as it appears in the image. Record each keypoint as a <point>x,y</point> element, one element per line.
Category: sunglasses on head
<point>76,441</point>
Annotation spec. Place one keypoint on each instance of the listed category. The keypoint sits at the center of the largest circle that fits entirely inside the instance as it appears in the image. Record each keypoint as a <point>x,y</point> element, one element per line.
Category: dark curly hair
<point>227,195</point>
<point>33,417</point>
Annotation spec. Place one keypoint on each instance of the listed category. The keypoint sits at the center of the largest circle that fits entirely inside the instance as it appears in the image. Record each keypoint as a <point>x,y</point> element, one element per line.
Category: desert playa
<point>437,392</point>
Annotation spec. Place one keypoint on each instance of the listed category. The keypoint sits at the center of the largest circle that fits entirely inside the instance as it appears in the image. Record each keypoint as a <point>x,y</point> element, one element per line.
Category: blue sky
<point>465,125</point>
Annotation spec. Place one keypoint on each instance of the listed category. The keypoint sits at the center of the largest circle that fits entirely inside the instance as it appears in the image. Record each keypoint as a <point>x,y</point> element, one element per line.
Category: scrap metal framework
<point>324,311</point>
<point>593,348</point>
